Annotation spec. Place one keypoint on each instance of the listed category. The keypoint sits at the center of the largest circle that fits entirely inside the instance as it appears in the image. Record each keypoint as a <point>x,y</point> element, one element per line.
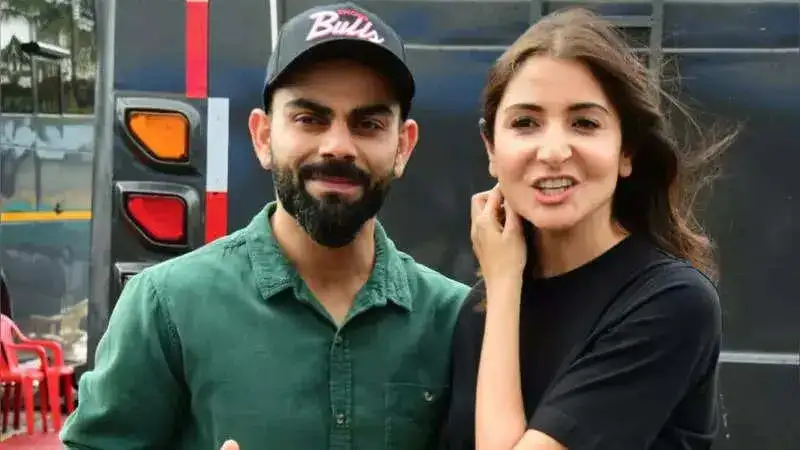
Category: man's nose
<point>338,142</point>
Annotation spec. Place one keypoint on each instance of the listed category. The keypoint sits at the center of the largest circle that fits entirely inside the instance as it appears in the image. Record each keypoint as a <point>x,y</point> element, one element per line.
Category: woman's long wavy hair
<point>658,198</point>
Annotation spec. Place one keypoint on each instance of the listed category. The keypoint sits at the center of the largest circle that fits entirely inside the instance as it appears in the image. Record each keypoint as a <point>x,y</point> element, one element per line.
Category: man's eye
<point>308,120</point>
<point>371,125</point>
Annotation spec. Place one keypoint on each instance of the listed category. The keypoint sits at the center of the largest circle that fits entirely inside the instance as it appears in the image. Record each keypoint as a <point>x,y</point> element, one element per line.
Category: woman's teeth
<point>554,186</point>
<point>553,191</point>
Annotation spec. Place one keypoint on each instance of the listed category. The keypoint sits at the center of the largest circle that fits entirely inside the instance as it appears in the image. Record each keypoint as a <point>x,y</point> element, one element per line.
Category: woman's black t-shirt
<point>619,354</point>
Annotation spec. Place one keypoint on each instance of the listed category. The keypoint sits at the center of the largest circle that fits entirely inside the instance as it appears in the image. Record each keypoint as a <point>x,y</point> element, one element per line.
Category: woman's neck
<point>560,252</point>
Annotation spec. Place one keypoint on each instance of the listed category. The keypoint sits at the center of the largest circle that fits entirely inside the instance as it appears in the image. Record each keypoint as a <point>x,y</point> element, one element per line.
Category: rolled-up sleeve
<point>135,395</point>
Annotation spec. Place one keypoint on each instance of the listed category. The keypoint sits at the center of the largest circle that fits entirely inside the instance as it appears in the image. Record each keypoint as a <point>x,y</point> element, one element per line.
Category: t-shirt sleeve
<point>134,394</point>
<point>622,389</point>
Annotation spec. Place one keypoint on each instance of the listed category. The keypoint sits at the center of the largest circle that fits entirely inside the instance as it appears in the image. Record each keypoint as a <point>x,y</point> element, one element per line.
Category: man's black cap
<point>342,30</point>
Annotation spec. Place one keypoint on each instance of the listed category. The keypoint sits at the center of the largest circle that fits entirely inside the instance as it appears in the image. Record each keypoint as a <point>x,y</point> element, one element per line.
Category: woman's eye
<point>586,124</point>
<point>523,122</point>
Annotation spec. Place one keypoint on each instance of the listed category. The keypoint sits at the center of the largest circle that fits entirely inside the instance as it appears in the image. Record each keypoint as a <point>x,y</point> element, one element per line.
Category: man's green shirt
<point>228,342</point>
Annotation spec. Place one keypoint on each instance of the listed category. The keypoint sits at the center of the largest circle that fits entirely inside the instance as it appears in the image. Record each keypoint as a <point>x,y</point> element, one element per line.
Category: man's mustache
<point>335,169</point>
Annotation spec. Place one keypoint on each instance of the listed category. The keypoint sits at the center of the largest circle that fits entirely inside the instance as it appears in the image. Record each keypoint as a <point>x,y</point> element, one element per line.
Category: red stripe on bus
<point>216,215</point>
<point>196,49</point>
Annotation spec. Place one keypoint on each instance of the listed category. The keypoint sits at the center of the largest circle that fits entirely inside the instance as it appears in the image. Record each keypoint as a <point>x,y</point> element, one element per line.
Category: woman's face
<point>557,146</point>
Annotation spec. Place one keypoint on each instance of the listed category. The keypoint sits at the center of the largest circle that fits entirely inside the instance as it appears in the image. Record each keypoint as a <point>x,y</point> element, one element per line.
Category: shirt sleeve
<point>134,395</point>
<point>619,393</point>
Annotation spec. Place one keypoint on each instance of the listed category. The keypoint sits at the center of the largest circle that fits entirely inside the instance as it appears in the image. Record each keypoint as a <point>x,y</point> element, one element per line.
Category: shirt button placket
<point>340,394</point>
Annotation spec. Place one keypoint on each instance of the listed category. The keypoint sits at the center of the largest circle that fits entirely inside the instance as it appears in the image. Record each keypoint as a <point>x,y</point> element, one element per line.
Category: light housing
<point>165,215</point>
<point>162,218</point>
<point>164,135</point>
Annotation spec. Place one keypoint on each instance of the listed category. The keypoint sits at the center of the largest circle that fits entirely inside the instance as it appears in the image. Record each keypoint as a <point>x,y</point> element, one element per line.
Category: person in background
<point>308,328</point>
<point>596,324</point>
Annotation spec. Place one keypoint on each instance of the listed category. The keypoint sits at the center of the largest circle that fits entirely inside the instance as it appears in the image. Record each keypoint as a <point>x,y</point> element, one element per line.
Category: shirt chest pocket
<point>413,415</point>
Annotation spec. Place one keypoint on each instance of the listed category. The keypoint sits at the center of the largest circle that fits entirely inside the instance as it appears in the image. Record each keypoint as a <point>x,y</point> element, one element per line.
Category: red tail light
<point>161,217</point>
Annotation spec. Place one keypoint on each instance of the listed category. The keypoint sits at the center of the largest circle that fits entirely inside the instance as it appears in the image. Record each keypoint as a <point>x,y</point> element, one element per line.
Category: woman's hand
<point>497,238</point>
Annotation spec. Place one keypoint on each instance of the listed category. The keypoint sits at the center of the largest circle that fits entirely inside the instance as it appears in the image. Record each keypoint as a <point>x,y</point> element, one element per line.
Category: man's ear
<point>409,136</point>
<point>259,124</point>
<point>487,142</point>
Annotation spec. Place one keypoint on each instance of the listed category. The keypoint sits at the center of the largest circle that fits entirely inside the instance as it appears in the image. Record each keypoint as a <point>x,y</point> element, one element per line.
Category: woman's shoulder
<point>667,273</point>
<point>658,271</point>
<point>671,288</point>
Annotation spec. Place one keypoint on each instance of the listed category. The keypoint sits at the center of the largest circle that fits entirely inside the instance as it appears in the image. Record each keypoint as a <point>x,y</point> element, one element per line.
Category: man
<point>307,329</point>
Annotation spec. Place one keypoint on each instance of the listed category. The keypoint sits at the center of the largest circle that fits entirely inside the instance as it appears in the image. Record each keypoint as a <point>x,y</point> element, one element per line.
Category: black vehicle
<point>178,79</point>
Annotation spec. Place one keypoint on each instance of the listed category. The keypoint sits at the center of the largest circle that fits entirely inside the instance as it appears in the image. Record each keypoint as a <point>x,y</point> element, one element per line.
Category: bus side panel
<point>760,407</point>
<point>45,220</point>
<point>239,48</point>
<point>149,47</point>
<point>743,68</point>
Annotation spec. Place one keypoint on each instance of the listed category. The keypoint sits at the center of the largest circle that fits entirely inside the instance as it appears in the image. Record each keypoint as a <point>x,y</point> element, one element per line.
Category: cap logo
<point>333,23</point>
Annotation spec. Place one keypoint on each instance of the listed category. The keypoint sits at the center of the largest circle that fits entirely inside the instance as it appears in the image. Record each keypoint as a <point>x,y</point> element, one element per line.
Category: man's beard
<point>332,221</point>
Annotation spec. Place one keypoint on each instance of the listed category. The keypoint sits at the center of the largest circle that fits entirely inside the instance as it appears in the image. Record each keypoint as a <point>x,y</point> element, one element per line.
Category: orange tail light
<point>164,135</point>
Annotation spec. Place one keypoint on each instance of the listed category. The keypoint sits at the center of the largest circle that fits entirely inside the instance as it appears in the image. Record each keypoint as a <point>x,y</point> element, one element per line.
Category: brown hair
<point>657,199</point>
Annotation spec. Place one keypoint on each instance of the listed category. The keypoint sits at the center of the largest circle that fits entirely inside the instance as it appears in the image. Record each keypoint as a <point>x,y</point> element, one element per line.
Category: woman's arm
<point>499,414</point>
<point>502,254</point>
<point>500,421</point>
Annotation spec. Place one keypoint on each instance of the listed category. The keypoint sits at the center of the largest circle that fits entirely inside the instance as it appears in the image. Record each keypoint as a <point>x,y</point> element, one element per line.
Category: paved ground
<point>19,440</point>
<point>39,441</point>
<point>22,429</point>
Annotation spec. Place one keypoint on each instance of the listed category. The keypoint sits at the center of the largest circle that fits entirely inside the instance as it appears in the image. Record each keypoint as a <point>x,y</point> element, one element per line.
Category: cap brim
<point>367,53</point>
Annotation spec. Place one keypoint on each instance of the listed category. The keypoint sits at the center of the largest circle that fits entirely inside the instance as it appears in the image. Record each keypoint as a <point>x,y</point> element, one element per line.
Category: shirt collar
<point>275,273</point>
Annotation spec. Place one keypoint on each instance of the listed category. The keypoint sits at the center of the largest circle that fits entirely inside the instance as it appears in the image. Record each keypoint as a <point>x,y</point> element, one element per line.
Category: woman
<point>594,326</point>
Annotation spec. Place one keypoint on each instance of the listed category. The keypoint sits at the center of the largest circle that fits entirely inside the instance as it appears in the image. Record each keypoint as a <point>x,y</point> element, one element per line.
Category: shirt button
<point>338,340</point>
<point>428,396</point>
<point>340,419</point>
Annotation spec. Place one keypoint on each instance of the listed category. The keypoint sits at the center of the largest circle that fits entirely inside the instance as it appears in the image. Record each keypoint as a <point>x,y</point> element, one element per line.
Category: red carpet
<point>38,441</point>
